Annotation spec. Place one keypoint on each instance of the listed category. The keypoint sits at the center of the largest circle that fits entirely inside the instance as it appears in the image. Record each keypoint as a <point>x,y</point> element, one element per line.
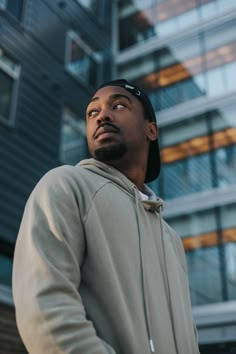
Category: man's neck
<point>134,174</point>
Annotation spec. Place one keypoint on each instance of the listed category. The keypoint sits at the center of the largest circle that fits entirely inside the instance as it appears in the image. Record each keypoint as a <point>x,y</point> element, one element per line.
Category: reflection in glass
<point>141,20</point>
<point>9,73</point>
<point>186,176</point>
<point>209,239</point>
<point>178,76</point>
<point>81,60</point>
<point>6,85</point>
<point>81,65</point>
<point>231,269</point>
<point>198,153</point>
<point>220,59</point>
<point>14,7</point>
<point>91,5</point>
<point>201,65</point>
<point>204,276</point>
<point>73,141</point>
<point>6,60</point>
<point>226,165</point>
<point>6,270</point>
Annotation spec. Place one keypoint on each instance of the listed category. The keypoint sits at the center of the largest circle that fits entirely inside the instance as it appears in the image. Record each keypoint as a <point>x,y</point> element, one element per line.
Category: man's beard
<point>110,153</point>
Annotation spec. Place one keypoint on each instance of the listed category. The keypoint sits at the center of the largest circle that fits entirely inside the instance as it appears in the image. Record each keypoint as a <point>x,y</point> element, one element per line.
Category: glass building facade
<point>183,53</point>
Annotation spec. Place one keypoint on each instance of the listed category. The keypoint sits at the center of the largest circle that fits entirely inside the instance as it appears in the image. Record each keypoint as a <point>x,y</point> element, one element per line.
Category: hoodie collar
<point>153,203</point>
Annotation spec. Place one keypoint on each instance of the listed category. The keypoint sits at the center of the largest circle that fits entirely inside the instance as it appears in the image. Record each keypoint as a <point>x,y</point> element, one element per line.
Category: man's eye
<point>119,106</point>
<point>92,113</point>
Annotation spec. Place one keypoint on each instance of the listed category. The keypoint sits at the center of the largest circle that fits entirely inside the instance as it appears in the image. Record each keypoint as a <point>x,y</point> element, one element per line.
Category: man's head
<point>121,126</point>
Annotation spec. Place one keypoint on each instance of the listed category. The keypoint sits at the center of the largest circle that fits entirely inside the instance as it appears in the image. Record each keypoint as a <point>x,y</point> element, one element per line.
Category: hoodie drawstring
<point>167,280</point>
<point>145,299</point>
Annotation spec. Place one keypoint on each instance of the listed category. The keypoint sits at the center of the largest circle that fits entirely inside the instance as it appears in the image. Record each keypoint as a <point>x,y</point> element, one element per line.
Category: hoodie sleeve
<point>49,252</point>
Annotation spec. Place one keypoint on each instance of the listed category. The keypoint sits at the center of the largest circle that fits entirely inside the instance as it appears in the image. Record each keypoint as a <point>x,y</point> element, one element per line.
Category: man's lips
<point>105,128</point>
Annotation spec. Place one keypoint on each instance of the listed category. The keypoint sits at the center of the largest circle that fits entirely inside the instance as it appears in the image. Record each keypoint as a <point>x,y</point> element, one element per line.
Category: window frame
<point>86,8</point>
<point>94,56</point>
<point>14,75</point>
<point>69,112</point>
<point>3,7</point>
<point>98,15</point>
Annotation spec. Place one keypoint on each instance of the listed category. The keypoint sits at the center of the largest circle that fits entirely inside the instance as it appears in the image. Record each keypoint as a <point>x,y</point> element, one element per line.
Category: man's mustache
<point>116,129</point>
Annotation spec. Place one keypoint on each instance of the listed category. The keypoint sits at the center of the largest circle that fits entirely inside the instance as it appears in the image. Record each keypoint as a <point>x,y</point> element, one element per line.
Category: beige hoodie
<point>97,270</point>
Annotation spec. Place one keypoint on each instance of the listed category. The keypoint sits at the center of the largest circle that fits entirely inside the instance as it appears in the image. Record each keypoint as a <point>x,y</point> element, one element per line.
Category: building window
<point>73,138</point>
<point>184,70</point>
<point>185,155</point>
<point>6,270</point>
<point>209,239</point>
<point>198,153</point>
<point>142,20</point>
<point>15,8</point>
<point>9,79</point>
<point>171,75</point>
<point>220,59</point>
<point>82,61</point>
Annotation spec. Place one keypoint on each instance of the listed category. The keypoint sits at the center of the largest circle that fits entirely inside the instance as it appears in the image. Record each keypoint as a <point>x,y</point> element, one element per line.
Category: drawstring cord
<point>167,280</point>
<point>146,311</point>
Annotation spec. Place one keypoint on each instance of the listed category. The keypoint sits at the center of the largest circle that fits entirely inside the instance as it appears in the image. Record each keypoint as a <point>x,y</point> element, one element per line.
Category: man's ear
<point>152,131</point>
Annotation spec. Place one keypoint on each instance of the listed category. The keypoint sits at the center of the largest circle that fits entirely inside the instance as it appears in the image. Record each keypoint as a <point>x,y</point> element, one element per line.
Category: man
<point>96,268</point>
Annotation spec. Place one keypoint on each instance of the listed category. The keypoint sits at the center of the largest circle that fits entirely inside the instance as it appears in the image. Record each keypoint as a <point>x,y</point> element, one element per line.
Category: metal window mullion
<point>13,73</point>
<point>14,99</point>
<point>68,49</point>
<point>89,51</point>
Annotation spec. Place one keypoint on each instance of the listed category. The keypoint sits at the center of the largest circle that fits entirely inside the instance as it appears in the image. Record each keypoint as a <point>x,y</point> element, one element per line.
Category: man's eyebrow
<point>120,95</point>
<point>114,96</point>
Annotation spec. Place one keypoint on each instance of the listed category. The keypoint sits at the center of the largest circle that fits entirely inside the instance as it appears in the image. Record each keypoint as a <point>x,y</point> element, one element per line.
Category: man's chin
<point>110,153</point>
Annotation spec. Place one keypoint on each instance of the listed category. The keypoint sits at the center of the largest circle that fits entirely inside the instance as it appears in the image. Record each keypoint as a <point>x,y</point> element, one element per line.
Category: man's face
<point>116,127</point>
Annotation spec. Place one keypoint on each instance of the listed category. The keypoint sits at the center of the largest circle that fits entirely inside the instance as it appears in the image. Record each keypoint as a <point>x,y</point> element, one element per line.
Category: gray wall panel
<point>31,147</point>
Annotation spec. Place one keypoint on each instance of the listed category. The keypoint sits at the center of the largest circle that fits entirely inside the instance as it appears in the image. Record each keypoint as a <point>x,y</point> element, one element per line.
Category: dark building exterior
<point>183,52</point>
<point>52,55</point>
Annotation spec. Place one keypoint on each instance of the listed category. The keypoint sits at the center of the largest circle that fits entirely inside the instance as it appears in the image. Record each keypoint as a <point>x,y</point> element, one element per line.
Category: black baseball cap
<point>154,159</point>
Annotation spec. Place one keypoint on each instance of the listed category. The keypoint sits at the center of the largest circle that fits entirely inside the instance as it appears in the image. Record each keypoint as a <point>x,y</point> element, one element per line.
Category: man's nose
<point>104,115</point>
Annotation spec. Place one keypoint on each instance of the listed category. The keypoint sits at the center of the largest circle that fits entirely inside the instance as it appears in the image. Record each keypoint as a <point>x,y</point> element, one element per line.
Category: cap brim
<point>154,162</point>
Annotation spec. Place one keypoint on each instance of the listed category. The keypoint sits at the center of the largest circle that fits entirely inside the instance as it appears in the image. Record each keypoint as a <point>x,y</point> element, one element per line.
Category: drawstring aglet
<point>152,346</point>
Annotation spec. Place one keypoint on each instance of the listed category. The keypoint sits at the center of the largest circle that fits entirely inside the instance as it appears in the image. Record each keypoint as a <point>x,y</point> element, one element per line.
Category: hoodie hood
<point>153,203</point>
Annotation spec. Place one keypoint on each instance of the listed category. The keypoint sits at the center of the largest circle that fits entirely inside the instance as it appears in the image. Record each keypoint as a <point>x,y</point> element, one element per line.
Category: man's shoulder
<point>61,174</point>
<point>72,177</point>
<point>64,171</point>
